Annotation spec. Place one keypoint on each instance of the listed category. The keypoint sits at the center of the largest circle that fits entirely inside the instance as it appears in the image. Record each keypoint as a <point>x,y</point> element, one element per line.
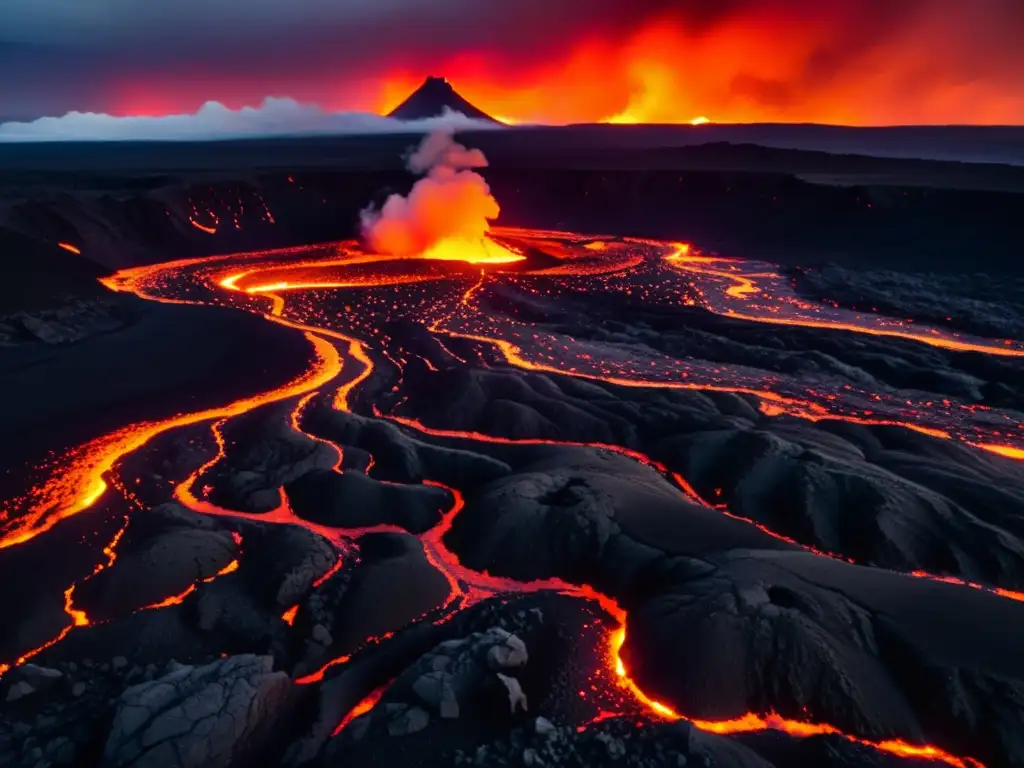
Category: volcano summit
<point>432,99</point>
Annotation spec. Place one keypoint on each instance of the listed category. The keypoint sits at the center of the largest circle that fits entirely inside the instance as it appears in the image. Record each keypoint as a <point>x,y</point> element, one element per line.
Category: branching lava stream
<point>351,336</point>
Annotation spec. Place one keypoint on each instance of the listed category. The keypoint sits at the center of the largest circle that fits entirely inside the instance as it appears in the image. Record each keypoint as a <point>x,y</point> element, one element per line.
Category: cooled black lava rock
<point>213,716</point>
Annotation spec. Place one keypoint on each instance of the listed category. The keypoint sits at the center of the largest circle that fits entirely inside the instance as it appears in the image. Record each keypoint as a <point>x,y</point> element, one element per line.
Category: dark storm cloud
<point>57,55</point>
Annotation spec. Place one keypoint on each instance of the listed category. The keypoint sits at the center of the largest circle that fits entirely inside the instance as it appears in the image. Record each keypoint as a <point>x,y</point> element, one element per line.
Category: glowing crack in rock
<point>444,293</point>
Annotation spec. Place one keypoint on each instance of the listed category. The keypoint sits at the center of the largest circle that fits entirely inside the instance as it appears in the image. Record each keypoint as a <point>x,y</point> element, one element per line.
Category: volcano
<point>433,99</point>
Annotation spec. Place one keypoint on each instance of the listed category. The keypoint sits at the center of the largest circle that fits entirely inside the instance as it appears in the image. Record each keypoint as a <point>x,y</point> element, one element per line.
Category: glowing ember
<point>80,484</point>
<point>69,247</point>
<point>202,227</point>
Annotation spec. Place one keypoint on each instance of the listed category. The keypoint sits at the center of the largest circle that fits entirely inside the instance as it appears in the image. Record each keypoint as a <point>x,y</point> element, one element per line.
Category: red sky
<point>840,61</point>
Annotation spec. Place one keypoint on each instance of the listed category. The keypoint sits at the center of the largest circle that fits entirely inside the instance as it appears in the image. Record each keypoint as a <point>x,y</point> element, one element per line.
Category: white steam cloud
<point>275,117</point>
<point>446,214</point>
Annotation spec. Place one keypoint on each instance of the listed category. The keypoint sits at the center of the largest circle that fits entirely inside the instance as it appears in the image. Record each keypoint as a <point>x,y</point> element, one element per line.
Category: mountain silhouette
<point>432,99</point>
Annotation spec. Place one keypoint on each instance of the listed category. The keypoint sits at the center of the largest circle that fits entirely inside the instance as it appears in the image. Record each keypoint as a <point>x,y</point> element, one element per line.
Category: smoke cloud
<point>275,117</point>
<point>446,214</point>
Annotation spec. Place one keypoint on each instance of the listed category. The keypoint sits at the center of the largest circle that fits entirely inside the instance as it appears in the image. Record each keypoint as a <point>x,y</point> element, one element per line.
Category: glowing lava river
<point>374,324</point>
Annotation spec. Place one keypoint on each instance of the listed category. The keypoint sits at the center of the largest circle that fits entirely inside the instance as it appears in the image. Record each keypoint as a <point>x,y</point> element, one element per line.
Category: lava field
<point>567,500</point>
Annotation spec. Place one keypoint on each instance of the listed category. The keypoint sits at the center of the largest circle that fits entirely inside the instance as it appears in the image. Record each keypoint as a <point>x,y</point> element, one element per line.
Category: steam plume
<point>446,214</point>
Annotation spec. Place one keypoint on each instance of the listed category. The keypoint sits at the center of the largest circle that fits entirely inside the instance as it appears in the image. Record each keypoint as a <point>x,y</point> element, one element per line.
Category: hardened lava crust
<point>578,500</point>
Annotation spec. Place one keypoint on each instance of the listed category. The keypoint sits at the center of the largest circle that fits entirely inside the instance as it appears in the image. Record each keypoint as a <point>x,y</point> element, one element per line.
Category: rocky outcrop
<point>198,717</point>
<point>466,678</point>
<point>610,743</point>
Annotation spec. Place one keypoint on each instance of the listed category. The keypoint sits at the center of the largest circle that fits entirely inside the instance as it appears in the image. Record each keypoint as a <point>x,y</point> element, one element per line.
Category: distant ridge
<point>433,99</point>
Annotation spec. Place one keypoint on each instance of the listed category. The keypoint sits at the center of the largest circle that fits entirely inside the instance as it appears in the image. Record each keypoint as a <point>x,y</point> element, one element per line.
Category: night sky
<point>844,61</point>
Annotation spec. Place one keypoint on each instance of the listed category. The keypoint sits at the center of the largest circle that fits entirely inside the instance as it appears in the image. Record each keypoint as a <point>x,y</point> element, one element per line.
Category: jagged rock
<point>19,690</point>
<point>316,560</point>
<point>198,717</point>
<point>34,678</point>
<point>47,332</point>
<point>167,551</point>
<point>457,679</point>
<point>118,663</point>
<point>510,653</point>
<point>543,726</point>
<point>613,743</point>
<point>516,697</point>
<point>393,584</point>
<point>435,689</point>
<point>407,720</point>
<point>78,689</point>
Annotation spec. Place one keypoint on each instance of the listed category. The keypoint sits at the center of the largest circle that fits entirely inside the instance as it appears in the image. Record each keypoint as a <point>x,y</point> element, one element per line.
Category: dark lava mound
<point>433,99</point>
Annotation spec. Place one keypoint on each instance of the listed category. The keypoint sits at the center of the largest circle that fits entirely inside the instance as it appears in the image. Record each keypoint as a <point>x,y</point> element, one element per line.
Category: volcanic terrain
<point>573,498</point>
<point>434,98</point>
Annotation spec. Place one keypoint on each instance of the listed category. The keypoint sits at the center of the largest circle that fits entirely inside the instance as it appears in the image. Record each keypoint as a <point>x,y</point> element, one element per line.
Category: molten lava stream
<point>772,403</point>
<point>688,491</point>
<point>788,310</point>
<point>466,586</point>
<point>753,722</point>
<point>79,482</point>
<point>280,515</point>
<point>471,587</point>
<point>668,373</point>
<point>480,586</point>
<point>79,618</point>
<point>361,708</point>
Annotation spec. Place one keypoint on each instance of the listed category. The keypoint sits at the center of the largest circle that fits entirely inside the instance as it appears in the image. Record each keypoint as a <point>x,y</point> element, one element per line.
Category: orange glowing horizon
<point>734,70</point>
<point>664,70</point>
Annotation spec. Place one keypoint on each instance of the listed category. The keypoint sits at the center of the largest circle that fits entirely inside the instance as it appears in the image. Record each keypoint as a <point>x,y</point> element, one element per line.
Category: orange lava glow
<point>482,251</point>
<point>361,708</point>
<point>202,227</point>
<point>1007,451</point>
<point>80,483</point>
<point>179,598</point>
<point>78,617</point>
<point>1007,593</point>
<point>730,64</point>
<point>352,347</point>
<point>71,248</point>
<point>751,722</point>
<point>786,310</point>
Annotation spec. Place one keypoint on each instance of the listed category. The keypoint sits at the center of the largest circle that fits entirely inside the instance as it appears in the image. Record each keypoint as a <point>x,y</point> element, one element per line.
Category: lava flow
<point>346,302</point>
<point>755,292</point>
